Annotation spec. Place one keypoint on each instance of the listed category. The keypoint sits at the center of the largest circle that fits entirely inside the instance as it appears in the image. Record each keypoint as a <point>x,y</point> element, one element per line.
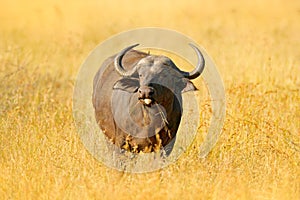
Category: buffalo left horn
<point>200,65</point>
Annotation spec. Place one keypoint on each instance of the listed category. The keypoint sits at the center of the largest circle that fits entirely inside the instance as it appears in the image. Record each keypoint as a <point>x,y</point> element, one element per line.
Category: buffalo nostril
<point>145,92</point>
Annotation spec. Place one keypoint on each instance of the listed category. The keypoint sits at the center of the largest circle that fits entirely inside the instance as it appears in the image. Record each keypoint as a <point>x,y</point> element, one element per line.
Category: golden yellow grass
<point>256,46</point>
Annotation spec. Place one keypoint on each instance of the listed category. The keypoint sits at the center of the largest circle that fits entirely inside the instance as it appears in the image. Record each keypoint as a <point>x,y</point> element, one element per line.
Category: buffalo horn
<point>118,62</point>
<point>200,65</point>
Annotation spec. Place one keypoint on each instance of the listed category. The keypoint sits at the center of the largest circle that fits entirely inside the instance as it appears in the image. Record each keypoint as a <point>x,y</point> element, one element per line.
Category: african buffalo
<point>137,99</point>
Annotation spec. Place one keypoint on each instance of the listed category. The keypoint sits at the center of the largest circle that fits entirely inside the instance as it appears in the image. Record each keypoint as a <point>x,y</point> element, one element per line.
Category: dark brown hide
<point>130,124</point>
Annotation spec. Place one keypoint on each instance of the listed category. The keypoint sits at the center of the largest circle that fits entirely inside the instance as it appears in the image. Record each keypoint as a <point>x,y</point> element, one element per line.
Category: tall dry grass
<point>256,46</point>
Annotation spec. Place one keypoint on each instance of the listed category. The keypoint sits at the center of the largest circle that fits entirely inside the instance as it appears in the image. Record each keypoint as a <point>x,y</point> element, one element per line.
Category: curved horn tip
<point>128,48</point>
<point>200,66</point>
<point>194,46</point>
<point>118,62</point>
<point>132,46</point>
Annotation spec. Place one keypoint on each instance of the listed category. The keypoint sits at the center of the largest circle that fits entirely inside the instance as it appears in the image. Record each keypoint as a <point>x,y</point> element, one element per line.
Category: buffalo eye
<point>151,92</point>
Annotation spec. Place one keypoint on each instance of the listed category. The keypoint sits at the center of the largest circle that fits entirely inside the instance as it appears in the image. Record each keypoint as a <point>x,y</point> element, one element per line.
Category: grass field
<point>256,46</point>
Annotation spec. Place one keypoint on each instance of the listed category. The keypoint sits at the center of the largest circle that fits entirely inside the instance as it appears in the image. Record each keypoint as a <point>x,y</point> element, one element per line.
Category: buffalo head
<point>153,75</point>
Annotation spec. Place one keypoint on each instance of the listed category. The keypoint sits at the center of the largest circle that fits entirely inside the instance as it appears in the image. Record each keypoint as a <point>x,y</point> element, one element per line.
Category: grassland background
<point>256,46</point>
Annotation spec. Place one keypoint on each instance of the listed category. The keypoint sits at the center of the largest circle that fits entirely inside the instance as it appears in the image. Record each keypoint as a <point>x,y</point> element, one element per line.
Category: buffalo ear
<point>188,87</point>
<point>127,84</point>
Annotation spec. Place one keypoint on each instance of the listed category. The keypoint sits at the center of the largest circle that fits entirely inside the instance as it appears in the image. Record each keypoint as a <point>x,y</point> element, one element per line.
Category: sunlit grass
<point>256,47</point>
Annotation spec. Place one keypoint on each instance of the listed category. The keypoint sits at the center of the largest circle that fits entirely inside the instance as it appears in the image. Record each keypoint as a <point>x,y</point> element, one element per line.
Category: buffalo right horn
<point>118,62</point>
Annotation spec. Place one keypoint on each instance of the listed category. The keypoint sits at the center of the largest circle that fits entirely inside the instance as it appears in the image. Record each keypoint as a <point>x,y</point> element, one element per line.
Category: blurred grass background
<point>256,46</point>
